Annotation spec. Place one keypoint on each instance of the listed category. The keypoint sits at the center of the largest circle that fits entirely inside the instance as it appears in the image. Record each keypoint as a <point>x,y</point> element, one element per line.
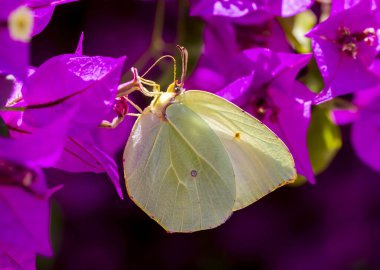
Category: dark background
<point>334,224</point>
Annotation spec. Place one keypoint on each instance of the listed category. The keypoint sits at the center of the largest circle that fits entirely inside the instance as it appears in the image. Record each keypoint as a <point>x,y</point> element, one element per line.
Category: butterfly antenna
<point>184,59</point>
<point>158,60</point>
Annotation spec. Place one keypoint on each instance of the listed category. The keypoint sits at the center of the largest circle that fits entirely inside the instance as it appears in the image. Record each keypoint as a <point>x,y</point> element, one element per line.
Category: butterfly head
<point>176,88</point>
<point>163,99</point>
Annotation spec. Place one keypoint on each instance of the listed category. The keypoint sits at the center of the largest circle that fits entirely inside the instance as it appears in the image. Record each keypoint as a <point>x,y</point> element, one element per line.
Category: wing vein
<point>195,151</point>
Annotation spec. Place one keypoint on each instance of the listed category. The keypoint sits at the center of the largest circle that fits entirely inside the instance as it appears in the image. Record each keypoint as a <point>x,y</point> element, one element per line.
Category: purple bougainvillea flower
<point>345,46</point>
<point>214,61</point>
<point>364,116</point>
<point>365,119</point>
<point>19,21</point>
<point>86,86</point>
<point>16,25</point>
<point>365,133</point>
<point>339,5</point>
<point>248,11</point>
<point>24,205</point>
<point>73,82</point>
<point>263,83</point>
<point>104,140</point>
<point>360,102</point>
<point>80,85</point>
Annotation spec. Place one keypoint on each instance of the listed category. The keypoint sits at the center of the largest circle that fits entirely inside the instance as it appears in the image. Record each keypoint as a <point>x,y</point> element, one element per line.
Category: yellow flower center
<point>20,24</point>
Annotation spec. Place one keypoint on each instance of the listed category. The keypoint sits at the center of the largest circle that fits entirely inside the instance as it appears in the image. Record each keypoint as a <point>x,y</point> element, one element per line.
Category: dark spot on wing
<point>194,173</point>
<point>237,135</point>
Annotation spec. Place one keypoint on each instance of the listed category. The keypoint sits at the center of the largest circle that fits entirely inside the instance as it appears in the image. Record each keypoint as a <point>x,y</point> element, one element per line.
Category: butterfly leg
<point>156,88</point>
<point>121,110</point>
<point>115,122</point>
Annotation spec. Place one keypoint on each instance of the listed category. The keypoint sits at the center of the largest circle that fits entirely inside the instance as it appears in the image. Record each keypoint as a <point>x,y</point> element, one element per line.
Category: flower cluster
<point>261,74</point>
<point>53,116</point>
<point>50,118</point>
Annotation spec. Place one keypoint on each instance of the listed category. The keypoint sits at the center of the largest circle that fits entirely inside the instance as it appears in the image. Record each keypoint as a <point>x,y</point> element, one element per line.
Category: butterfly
<point>193,158</point>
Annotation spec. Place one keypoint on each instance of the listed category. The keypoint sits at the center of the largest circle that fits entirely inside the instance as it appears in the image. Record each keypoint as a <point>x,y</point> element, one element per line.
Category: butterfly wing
<point>178,171</point>
<point>261,161</point>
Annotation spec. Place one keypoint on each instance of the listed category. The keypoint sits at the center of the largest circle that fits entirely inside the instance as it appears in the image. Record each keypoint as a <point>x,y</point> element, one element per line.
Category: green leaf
<point>313,78</point>
<point>323,139</point>
<point>3,129</point>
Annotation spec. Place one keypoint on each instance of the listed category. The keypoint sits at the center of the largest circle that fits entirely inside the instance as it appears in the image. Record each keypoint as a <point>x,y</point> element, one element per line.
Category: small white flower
<point>20,24</point>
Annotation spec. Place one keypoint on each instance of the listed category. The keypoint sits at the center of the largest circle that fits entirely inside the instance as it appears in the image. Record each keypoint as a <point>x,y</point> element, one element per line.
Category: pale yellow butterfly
<point>193,158</point>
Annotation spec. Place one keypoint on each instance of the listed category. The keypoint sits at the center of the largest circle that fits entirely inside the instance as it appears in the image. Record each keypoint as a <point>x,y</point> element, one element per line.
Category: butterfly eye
<point>177,89</point>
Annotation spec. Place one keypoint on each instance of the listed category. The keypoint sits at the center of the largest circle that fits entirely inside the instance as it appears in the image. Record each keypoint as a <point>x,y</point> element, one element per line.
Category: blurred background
<point>334,224</point>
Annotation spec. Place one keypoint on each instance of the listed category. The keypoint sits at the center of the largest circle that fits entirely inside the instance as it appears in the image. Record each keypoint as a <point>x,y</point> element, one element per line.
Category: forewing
<point>178,171</point>
<point>261,161</point>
